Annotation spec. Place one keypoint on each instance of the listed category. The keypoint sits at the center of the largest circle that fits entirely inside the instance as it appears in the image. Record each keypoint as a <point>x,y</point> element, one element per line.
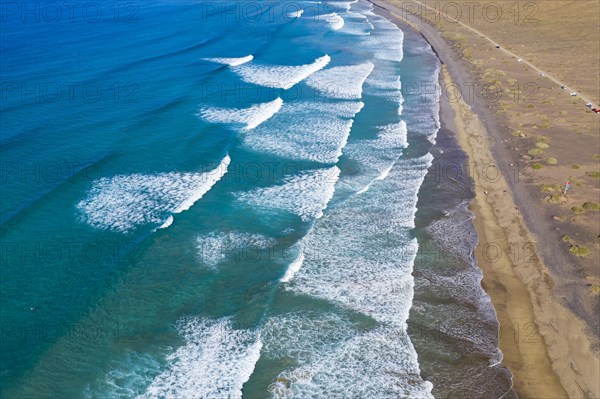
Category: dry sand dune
<point>562,37</point>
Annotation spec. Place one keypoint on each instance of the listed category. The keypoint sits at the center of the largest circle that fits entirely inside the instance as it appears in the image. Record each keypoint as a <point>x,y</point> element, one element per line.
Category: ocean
<point>232,199</point>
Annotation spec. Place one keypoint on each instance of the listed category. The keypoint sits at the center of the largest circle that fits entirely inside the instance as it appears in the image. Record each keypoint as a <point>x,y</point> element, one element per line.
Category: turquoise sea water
<point>211,199</point>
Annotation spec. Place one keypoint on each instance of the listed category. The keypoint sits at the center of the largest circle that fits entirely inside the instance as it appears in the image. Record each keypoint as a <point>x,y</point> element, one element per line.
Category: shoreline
<point>543,342</point>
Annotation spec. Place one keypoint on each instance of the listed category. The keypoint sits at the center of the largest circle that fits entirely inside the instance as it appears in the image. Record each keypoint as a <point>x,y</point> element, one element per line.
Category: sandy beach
<point>548,316</point>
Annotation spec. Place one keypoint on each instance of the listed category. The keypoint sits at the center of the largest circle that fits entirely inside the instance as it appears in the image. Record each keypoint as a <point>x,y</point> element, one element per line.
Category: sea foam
<point>279,76</point>
<point>305,195</point>
<point>123,202</point>
<point>334,20</point>
<point>360,256</point>
<point>295,14</point>
<point>376,157</point>
<point>361,260</point>
<point>251,117</point>
<point>335,358</point>
<point>215,362</point>
<point>214,248</point>
<point>231,61</point>
<point>293,267</point>
<point>344,82</point>
<point>356,24</point>
<point>306,131</point>
<point>386,39</point>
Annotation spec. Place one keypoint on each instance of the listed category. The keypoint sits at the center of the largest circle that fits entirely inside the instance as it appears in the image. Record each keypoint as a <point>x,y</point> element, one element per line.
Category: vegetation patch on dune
<point>591,206</point>
<point>594,174</point>
<point>578,210</point>
<point>556,199</point>
<point>535,151</point>
<point>543,139</point>
<point>551,161</point>
<point>550,188</point>
<point>579,250</point>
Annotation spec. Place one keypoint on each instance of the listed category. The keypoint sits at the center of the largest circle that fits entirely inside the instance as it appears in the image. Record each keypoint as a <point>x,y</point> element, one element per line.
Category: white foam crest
<point>380,80</point>
<point>302,335</point>
<point>385,40</point>
<point>215,362</point>
<point>213,248</point>
<point>344,82</point>
<point>378,364</point>
<point>393,134</point>
<point>231,61</point>
<point>380,288</point>
<point>295,14</point>
<point>128,378</point>
<point>251,117</point>
<point>334,20</point>
<point>336,360</point>
<point>379,83</point>
<point>376,156</point>
<point>305,195</point>
<point>210,179</point>
<point>167,222</point>
<point>368,266</point>
<point>426,111</point>
<point>280,76</point>
<point>306,131</point>
<point>124,202</point>
<point>342,5</point>
<point>356,24</point>
<point>293,267</point>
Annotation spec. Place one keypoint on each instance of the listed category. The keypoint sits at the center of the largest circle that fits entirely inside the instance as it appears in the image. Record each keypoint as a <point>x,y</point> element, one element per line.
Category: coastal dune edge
<point>562,363</point>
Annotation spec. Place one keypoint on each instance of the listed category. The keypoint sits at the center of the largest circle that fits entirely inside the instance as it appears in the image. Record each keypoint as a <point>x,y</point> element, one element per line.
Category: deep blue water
<point>201,199</point>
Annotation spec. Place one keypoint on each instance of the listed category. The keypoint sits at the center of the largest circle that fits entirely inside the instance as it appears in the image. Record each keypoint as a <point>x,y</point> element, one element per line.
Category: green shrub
<point>543,139</point>
<point>591,206</point>
<point>579,250</point>
<point>535,151</point>
<point>595,175</point>
<point>550,188</point>
<point>543,146</point>
<point>578,210</point>
<point>555,199</point>
<point>551,161</point>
